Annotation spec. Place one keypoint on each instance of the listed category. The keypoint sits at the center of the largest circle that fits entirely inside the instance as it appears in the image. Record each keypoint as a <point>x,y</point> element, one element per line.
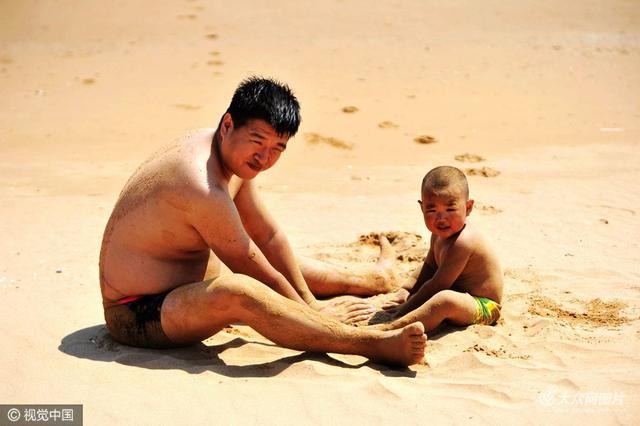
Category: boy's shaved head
<point>445,180</point>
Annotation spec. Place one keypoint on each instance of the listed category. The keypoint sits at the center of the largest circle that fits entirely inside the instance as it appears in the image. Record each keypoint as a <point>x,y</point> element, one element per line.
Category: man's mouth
<point>254,166</point>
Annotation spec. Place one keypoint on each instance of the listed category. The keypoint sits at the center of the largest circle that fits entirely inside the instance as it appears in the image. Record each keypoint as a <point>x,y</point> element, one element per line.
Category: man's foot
<point>402,347</point>
<point>385,276</point>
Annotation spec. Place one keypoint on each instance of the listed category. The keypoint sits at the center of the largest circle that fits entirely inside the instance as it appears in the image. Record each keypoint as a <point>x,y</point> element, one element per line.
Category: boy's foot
<point>401,347</point>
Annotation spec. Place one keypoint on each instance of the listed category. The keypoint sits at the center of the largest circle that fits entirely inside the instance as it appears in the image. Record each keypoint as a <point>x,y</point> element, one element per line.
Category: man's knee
<point>230,289</point>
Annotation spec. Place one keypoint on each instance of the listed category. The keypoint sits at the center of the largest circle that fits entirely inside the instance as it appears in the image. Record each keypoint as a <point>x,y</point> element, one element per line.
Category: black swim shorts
<point>137,323</point>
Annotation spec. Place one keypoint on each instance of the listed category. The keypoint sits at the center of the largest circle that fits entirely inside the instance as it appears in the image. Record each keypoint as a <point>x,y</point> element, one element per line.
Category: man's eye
<point>257,142</point>
<point>451,210</point>
<point>431,211</point>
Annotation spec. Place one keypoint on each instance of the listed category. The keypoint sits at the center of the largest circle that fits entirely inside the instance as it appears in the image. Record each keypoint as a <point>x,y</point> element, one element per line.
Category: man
<point>193,205</point>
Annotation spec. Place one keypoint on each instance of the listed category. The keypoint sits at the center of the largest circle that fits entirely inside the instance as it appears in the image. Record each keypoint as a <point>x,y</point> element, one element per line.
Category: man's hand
<point>346,309</point>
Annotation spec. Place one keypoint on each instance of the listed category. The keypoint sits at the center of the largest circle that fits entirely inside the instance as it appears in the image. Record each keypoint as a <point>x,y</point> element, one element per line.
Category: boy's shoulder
<point>470,238</point>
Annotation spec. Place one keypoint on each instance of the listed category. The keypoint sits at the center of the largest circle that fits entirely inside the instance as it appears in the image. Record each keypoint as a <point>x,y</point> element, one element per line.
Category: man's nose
<point>262,156</point>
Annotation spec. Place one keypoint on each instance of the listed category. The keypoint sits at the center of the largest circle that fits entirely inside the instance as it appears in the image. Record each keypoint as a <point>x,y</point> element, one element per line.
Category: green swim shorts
<point>487,311</point>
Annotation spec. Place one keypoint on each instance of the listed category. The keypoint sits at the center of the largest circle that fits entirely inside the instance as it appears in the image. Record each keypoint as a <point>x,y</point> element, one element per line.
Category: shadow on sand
<point>95,343</point>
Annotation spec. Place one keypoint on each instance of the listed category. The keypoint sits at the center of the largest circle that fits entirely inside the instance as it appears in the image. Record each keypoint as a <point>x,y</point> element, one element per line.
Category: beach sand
<point>539,102</point>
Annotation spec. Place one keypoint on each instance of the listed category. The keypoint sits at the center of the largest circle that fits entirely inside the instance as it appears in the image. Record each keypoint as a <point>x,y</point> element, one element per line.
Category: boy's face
<point>445,213</point>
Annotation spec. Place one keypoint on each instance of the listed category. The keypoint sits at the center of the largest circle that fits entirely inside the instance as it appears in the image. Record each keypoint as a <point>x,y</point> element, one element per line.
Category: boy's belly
<point>489,288</point>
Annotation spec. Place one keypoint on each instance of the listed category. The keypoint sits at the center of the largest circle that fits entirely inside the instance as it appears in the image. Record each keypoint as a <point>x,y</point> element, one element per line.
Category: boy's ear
<point>469,206</point>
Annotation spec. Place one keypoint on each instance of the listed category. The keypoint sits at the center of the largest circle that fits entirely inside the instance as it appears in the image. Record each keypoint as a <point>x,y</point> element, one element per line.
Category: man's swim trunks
<point>135,321</point>
<point>487,311</point>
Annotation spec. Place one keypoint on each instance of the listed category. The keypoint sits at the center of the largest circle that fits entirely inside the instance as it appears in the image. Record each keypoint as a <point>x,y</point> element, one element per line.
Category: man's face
<point>250,149</point>
<point>445,214</point>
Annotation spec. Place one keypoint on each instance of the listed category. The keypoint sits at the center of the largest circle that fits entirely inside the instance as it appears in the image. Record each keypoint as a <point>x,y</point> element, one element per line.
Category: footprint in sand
<point>487,209</point>
<point>468,158</point>
<point>88,81</point>
<point>484,171</point>
<point>187,107</point>
<point>6,60</point>
<point>387,125</point>
<point>316,138</point>
<point>190,16</point>
<point>215,62</point>
<point>349,109</point>
<point>425,139</point>
<point>595,312</point>
<point>500,352</point>
<point>211,36</point>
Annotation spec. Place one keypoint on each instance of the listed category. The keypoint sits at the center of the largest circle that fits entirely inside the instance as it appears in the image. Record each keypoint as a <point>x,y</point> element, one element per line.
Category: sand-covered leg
<point>326,279</point>
<point>200,310</point>
<point>457,308</point>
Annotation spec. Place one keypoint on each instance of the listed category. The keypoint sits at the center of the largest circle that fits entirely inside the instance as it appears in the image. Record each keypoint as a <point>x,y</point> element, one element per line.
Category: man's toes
<point>416,328</point>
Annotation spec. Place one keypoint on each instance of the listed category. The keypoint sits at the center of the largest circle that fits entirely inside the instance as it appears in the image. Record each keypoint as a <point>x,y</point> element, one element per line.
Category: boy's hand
<point>389,300</point>
<point>346,309</point>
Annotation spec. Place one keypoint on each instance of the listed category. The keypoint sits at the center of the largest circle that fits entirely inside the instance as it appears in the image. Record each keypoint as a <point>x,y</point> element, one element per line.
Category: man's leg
<point>326,279</point>
<point>194,312</point>
<point>455,307</point>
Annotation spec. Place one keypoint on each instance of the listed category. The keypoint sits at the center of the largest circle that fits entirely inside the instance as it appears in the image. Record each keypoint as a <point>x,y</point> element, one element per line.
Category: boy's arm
<point>452,265</point>
<point>427,271</point>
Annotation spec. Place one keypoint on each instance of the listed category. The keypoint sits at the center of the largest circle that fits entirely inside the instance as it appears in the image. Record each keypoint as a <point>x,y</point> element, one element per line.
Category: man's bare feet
<point>385,264</point>
<point>401,347</point>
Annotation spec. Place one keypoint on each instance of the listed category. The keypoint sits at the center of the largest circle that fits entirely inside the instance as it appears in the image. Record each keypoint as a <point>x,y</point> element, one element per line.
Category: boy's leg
<point>325,279</point>
<point>455,307</point>
<point>196,311</point>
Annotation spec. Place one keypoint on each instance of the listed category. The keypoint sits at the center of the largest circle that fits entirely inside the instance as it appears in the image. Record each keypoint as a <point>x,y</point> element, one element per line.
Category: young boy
<point>461,279</point>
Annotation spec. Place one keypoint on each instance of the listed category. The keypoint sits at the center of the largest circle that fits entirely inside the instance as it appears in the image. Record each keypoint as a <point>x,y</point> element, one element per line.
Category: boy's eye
<point>431,211</point>
<point>450,209</point>
<point>257,142</point>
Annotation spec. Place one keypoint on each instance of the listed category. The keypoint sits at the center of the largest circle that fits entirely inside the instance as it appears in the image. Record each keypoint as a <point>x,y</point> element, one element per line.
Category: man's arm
<point>226,236</point>
<point>268,236</point>
<point>451,266</point>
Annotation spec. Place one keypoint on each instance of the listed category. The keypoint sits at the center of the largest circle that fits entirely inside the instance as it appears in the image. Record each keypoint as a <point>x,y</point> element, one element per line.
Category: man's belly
<point>125,273</point>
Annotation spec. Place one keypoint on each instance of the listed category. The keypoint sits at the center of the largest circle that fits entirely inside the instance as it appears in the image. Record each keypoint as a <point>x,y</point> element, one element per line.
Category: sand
<point>539,98</point>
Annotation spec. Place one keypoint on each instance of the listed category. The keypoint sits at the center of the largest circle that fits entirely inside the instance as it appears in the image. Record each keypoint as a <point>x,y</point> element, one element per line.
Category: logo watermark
<point>42,414</point>
<point>580,401</point>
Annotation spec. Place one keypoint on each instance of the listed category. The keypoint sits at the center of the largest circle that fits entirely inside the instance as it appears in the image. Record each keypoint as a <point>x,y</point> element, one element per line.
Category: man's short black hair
<point>268,100</point>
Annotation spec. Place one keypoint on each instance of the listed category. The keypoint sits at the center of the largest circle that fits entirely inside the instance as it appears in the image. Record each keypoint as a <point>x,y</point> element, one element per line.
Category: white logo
<point>13,414</point>
<point>547,398</point>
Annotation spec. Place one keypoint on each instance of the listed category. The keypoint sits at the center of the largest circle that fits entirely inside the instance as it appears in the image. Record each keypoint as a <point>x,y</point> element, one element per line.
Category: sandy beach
<point>538,102</point>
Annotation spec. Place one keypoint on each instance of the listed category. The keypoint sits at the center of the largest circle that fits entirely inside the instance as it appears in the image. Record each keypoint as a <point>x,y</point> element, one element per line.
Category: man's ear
<point>226,126</point>
<point>469,206</point>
